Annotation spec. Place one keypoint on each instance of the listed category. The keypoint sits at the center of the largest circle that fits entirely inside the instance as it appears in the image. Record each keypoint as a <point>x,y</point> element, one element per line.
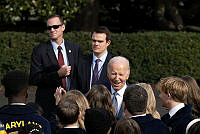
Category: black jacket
<point>150,125</point>
<point>178,122</point>
<point>43,72</point>
<point>15,116</point>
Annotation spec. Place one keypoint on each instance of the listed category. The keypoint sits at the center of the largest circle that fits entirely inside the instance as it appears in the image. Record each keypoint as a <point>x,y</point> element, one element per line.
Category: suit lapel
<point>103,74</point>
<point>89,65</point>
<point>69,54</point>
<point>51,54</point>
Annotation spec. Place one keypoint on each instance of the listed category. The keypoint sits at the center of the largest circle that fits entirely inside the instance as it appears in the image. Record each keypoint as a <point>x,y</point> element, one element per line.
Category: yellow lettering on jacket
<point>20,123</point>
<point>17,124</point>
<point>7,126</point>
<point>13,124</point>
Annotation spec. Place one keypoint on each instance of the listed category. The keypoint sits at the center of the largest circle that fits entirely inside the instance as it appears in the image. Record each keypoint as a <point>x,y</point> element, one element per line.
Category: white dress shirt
<point>119,96</point>
<point>100,65</point>
<point>175,109</point>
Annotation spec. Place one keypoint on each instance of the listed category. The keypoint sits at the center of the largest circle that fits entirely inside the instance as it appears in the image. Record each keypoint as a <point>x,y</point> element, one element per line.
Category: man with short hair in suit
<point>17,114</point>
<point>118,73</point>
<point>93,68</point>
<point>173,93</point>
<point>53,64</point>
<point>135,104</point>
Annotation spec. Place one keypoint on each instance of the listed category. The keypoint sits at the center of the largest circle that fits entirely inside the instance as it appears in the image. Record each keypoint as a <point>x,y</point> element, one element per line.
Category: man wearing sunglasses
<point>92,69</point>
<point>53,64</point>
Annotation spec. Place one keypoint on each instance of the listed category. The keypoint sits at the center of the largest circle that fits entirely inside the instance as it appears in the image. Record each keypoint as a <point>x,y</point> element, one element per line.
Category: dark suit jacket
<point>178,122</point>
<point>43,72</point>
<point>84,72</point>
<point>150,125</point>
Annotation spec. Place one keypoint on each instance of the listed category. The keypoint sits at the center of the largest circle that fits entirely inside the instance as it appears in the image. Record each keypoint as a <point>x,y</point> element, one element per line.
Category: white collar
<point>102,58</point>
<point>17,104</point>
<point>121,91</point>
<point>139,115</point>
<point>72,127</point>
<point>175,109</point>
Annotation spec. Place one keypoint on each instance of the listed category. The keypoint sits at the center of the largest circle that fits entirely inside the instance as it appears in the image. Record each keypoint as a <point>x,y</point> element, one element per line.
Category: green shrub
<point>152,55</point>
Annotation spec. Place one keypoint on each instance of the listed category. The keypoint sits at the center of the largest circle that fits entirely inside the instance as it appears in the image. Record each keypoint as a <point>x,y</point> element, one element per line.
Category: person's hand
<point>59,94</point>
<point>64,71</point>
<point>171,26</point>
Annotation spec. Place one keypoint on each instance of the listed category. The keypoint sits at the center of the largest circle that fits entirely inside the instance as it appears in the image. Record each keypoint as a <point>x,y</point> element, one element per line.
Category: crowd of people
<point>78,94</point>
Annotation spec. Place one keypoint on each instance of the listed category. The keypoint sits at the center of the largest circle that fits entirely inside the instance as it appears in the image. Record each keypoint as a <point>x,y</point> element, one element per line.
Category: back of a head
<point>151,102</point>
<point>80,99</point>
<point>82,102</point>
<point>100,97</point>
<point>98,121</point>
<point>135,99</point>
<point>15,82</point>
<point>193,97</point>
<point>67,112</point>
<point>174,86</point>
<point>127,126</point>
<point>191,82</point>
<point>193,127</point>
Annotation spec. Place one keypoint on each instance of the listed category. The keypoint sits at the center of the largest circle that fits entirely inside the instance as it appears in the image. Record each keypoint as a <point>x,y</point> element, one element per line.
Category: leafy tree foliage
<point>12,11</point>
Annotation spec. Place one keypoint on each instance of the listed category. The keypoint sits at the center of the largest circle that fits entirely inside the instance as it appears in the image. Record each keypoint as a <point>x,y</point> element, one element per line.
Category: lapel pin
<point>70,51</point>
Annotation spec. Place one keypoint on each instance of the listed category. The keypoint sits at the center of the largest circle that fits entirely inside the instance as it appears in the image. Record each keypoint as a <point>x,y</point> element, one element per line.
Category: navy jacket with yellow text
<point>15,116</point>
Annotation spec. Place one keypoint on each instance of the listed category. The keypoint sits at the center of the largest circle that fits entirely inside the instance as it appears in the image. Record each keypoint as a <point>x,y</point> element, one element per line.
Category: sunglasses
<point>54,27</point>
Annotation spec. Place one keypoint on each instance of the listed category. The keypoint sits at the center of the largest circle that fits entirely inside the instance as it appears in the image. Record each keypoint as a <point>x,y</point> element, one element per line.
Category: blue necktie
<point>115,103</point>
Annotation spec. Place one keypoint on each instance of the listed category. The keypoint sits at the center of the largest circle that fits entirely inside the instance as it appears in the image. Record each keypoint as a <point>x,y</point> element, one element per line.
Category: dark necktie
<point>61,63</point>
<point>115,103</point>
<point>95,76</point>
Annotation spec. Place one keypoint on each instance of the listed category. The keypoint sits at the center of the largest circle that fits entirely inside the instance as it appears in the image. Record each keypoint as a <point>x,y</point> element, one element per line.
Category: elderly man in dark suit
<point>93,68</point>
<point>118,73</point>
<point>53,64</point>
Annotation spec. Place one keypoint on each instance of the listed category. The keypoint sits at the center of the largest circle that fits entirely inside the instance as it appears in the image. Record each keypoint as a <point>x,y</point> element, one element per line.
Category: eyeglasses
<point>54,27</point>
<point>99,41</point>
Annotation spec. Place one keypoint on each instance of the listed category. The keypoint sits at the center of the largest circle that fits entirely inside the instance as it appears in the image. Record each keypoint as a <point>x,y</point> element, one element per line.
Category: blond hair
<point>151,102</point>
<point>174,86</point>
<point>82,102</point>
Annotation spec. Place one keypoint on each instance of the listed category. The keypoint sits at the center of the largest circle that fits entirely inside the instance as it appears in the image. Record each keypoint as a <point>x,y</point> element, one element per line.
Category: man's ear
<point>63,27</point>
<point>108,42</point>
<point>126,113</point>
<point>169,95</point>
